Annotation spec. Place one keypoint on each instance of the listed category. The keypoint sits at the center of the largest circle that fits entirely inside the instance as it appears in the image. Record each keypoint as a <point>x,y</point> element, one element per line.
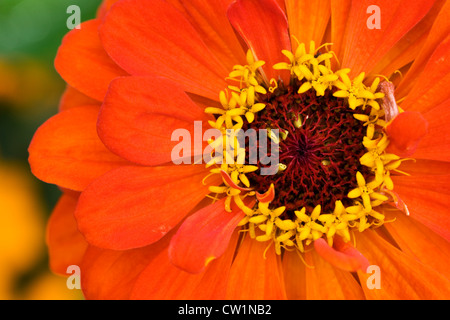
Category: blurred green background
<point>30,88</point>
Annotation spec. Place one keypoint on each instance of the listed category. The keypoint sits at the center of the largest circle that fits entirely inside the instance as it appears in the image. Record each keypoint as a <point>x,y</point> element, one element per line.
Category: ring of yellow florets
<point>240,103</point>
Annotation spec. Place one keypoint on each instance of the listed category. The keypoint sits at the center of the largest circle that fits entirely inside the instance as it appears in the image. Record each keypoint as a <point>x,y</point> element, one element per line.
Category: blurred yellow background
<point>30,88</point>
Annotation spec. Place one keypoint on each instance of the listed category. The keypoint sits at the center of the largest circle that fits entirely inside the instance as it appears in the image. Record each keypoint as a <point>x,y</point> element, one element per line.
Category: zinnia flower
<point>363,171</point>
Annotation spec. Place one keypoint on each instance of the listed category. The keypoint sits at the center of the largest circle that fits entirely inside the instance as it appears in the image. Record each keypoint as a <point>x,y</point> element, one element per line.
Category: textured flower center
<point>333,170</point>
<point>319,148</point>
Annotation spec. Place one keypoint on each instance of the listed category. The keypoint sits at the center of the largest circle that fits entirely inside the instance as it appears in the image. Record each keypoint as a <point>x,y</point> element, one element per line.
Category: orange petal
<point>363,48</point>
<point>436,144</point>
<point>325,282</point>
<point>408,48</point>
<point>66,245</point>
<point>177,4</point>
<point>425,167</point>
<point>213,226</point>
<point>72,98</point>
<point>210,20</point>
<point>342,255</point>
<point>264,27</point>
<point>340,10</point>
<point>162,280</point>
<point>110,274</point>
<point>417,240</point>
<point>401,275</point>
<point>308,20</point>
<point>83,63</point>
<point>428,91</point>
<point>140,114</point>
<point>294,276</point>
<point>255,273</point>
<point>282,5</point>
<point>66,150</point>
<point>405,133</point>
<point>428,200</point>
<point>150,38</point>
<point>437,34</point>
<point>104,8</point>
<point>132,207</point>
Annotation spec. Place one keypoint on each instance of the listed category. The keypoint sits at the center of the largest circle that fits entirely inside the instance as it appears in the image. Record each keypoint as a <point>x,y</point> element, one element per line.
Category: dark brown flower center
<point>319,149</point>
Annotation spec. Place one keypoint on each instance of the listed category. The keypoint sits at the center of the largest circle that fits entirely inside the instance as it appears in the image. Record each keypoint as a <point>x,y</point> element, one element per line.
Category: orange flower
<point>338,202</point>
